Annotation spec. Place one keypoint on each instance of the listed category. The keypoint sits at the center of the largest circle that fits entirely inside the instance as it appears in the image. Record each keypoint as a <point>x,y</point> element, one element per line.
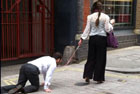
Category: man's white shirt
<point>46,66</point>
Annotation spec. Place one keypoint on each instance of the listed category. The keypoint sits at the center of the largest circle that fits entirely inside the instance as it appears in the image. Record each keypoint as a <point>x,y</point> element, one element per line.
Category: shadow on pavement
<point>81,84</point>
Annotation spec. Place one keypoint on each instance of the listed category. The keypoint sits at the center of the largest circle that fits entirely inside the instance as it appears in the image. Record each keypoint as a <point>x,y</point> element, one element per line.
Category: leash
<point>72,56</point>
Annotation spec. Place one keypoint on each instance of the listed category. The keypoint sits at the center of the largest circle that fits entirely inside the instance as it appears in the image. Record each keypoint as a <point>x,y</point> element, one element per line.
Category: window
<point>120,10</point>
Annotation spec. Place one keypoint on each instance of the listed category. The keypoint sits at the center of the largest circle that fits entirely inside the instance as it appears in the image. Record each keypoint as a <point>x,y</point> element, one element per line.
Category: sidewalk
<point>125,60</point>
<point>68,79</point>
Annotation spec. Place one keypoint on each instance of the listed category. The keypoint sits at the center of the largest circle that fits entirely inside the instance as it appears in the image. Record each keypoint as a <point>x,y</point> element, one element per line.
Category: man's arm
<point>48,77</point>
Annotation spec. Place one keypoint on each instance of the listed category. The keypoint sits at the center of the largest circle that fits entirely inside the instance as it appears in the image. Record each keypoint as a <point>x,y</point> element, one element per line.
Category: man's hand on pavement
<point>48,90</point>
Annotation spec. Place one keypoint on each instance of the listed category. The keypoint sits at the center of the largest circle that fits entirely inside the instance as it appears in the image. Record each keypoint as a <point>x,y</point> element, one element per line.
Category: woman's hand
<point>42,84</point>
<point>112,21</point>
<point>80,42</point>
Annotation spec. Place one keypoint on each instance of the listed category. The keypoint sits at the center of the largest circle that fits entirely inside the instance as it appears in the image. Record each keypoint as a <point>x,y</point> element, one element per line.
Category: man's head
<point>58,57</point>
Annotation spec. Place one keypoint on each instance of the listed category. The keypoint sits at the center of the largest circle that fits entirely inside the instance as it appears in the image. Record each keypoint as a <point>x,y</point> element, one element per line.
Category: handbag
<point>112,40</point>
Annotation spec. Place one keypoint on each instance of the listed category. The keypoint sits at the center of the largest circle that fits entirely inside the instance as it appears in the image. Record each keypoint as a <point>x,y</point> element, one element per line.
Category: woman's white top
<point>103,27</point>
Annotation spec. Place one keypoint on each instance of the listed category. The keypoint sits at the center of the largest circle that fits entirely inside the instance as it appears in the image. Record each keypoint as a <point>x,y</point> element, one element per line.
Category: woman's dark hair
<point>57,55</point>
<point>97,7</point>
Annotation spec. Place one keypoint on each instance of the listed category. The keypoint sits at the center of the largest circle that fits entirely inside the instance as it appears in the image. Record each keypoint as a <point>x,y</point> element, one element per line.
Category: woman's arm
<point>108,25</point>
<point>87,29</point>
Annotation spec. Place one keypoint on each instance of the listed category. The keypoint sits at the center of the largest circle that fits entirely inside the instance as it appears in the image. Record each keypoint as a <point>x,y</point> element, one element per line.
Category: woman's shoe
<point>87,80</point>
<point>99,82</point>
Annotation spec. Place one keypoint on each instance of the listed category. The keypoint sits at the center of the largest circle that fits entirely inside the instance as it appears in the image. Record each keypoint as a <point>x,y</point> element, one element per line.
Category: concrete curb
<point>123,70</point>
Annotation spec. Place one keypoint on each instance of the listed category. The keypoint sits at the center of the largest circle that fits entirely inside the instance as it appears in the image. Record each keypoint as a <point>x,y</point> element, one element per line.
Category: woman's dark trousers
<point>96,61</point>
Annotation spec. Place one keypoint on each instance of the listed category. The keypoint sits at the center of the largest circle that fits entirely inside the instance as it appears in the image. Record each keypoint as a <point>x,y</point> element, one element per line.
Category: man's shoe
<point>15,90</point>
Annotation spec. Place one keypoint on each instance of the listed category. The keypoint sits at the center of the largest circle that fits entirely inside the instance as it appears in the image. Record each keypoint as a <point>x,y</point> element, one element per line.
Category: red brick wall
<point>86,12</point>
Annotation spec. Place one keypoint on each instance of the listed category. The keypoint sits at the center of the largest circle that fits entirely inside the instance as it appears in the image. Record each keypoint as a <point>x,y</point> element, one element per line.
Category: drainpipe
<point>137,25</point>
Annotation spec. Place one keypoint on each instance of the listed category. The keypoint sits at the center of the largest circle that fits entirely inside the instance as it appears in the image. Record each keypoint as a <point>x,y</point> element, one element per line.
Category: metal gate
<point>27,28</point>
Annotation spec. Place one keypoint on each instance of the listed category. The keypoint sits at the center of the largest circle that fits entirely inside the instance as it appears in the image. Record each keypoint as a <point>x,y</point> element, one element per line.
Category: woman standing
<point>97,26</point>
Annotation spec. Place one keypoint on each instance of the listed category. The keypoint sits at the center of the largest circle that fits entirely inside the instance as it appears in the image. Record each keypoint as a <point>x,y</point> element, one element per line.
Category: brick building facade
<point>69,21</point>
